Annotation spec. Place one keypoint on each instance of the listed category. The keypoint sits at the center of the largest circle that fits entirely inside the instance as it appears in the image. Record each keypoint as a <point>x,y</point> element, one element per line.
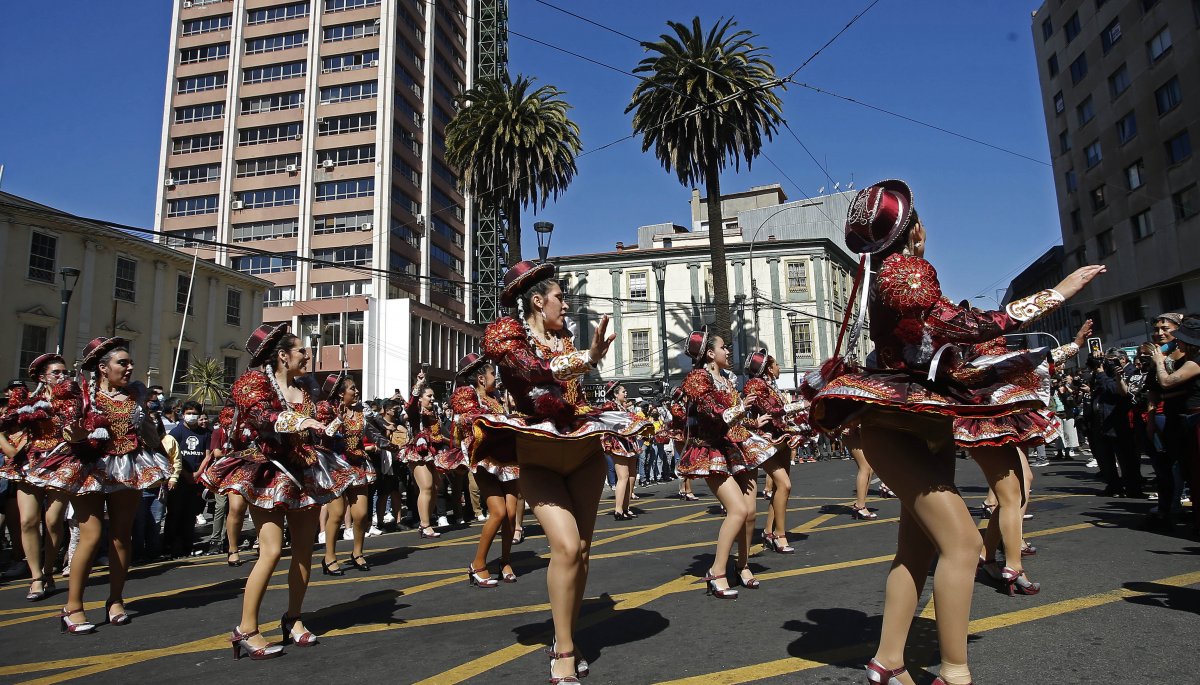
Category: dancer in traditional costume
<point>676,428</point>
<point>783,430</point>
<point>998,446</point>
<point>906,398</point>
<point>557,437</point>
<point>723,451</point>
<point>284,473</point>
<point>32,430</point>
<point>426,442</point>
<point>115,453</point>
<point>492,460</point>
<point>340,409</point>
<point>624,453</point>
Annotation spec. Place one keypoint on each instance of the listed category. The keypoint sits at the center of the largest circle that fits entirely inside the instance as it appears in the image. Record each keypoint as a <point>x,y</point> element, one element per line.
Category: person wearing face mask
<point>1177,372</point>
<point>183,492</point>
<point>725,450</point>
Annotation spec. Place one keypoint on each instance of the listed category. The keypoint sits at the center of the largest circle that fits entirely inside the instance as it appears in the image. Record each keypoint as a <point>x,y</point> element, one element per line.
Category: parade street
<point>413,617</point>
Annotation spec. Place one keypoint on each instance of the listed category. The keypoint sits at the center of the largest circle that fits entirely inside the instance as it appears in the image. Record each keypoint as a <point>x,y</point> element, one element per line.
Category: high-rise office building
<point>307,137</point>
<point>1121,90</point>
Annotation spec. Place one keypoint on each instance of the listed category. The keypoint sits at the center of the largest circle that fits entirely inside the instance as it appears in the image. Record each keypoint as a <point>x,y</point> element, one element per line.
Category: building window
<point>333,34</point>
<point>445,258</point>
<point>203,53</point>
<point>1072,27</point>
<point>207,112</point>
<point>1147,4</point>
<point>231,371</point>
<point>349,92</point>
<point>277,13</point>
<point>350,61</point>
<point>1064,142</point>
<point>265,166</point>
<point>270,134</point>
<point>191,206</point>
<point>331,329</point>
<point>355,328</point>
<point>284,41</point>
<point>202,173</point>
<point>1052,65</point>
<point>1119,81</point>
<point>1179,148</point>
<point>1079,68</point>
<point>270,197</point>
<point>1093,154</point>
<point>1168,96</point>
<point>639,343</point>
<point>191,237</point>
<point>42,252</point>
<point>1104,241</point>
<point>195,84</point>
<point>350,123</point>
<point>797,277</point>
<point>207,25</point>
<point>182,288</point>
<point>273,102</point>
<point>1110,36</point>
<point>341,223</point>
<point>200,143</point>
<point>1131,309</point>
<point>343,190</point>
<point>1135,175</point>
<point>637,285</point>
<point>265,264</point>
<point>34,341</point>
<point>342,156</point>
<point>1142,225</point>
<point>802,338</point>
<point>1098,201</point>
<point>1072,181</point>
<point>1159,45</point>
<point>279,296</point>
<point>1047,30</point>
<point>1186,202</point>
<point>266,230</point>
<point>233,307</point>
<point>274,72</point>
<point>1081,259</point>
<point>355,255</point>
<point>1126,128</point>
<point>1171,297</point>
<point>1059,103</point>
<point>1076,221</point>
<point>178,385</point>
<point>325,291</point>
<point>343,5</point>
<point>446,230</point>
<point>125,283</point>
<point>1085,111</point>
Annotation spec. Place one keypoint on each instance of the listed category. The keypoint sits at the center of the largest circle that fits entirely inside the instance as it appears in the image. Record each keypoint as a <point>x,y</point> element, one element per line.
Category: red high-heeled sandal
<point>241,648</point>
<point>878,675</point>
<point>712,589</point>
<point>304,639</point>
<point>65,625</point>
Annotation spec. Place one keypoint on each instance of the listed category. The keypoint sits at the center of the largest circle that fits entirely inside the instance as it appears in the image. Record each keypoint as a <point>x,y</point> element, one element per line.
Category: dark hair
<point>482,370</point>
<point>540,288</point>
<point>339,388</point>
<point>287,343</point>
<point>109,355</point>
<point>709,344</point>
<point>193,405</point>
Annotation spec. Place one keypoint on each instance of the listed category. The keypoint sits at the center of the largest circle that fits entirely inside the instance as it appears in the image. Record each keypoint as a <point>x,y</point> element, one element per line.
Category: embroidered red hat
<point>878,215</point>
<point>756,363</point>
<point>610,388</point>
<point>329,385</point>
<point>470,363</point>
<point>696,343</point>
<point>520,277</point>
<point>263,340</point>
<point>97,348</point>
<point>42,361</point>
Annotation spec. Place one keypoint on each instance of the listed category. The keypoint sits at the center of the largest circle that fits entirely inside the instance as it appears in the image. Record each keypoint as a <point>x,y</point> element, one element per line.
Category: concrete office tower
<point>314,129</point>
<point>1121,90</point>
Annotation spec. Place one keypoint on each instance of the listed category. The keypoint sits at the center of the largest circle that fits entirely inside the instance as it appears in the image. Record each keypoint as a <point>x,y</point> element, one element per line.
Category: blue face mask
<point>1168,348</point>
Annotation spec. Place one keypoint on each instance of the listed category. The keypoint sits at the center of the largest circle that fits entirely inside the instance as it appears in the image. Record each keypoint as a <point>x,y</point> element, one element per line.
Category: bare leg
<point>621,497</point>
<point>29,507</point>
<point>862,482</point>
<point>729,492</point>
<point>122,507</point>
<point>924,482</point>
<point>359,503</point>
<point>89,511</point>
<point>269,526</point>
<point>333,512</point>
<point>748,483</point>
<point>1000,465</point>
<point>234,519</point>
<point>779,471</point>
<point>56,515</point>
<point>423,475</point>
<point>303,524</point>
<point>493,496</point>
<point>512,500</point>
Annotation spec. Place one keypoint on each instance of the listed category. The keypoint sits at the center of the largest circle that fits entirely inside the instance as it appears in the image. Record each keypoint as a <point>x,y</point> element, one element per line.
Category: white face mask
<point>191,419</point>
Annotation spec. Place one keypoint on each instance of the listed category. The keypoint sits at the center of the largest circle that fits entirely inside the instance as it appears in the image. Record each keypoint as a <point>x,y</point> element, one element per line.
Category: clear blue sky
<point>83,90</point>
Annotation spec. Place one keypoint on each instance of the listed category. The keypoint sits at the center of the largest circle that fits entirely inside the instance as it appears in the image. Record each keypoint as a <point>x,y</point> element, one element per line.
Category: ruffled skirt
<point>502,429</point>
<point>1026,429</point>
<point>702,459</point>
<point>62,470</point>
<point>617,447</point>
<point>362,472</point>
<point>267,485</point>
<point>420,452</point>
<point>450,460</point>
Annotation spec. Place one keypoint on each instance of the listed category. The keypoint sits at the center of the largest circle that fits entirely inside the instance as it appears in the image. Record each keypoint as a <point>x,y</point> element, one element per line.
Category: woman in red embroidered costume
<point>676,429</point>
<point>492,460</point>
<point>723,451</point>
<point>998,446</point>
<point>340,410</point>
<point>115,454</point>
<point>783,431</point>
<point>284,473</point>
<point>423,448</point>
<point>32,430</point>
<point>905,400</point>
<point>557,437</point>
<point>225,440</point>
<point>622,452</point>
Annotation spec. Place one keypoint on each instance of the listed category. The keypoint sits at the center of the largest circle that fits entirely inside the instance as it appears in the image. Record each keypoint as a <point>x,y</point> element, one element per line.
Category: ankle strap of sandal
<point>238,635</point>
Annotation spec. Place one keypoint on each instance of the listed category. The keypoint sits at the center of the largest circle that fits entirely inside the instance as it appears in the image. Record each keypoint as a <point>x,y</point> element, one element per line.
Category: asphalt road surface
<point>1118,604</point>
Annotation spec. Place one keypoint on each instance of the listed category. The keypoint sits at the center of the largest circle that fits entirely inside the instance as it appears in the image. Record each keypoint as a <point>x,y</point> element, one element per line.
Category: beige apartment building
<point>1121,91</point>
<point>122,284</point>
<point>306,139</point>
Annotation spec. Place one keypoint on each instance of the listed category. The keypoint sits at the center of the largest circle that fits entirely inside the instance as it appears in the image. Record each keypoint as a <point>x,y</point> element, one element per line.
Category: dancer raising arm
<point>623,453</point>
<point>905,399</point>
<point>424,445</point>
<point>340,409</point>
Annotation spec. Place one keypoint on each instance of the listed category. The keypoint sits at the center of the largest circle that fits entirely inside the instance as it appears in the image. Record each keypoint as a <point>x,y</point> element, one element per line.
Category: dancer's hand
<point>1084,331</point>
<point>601,341</point>
<point>1071,285</point>
<point>312,424</point>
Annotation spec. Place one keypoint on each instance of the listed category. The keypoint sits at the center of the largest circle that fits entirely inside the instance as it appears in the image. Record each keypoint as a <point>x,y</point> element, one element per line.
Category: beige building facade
<point>126,286</point>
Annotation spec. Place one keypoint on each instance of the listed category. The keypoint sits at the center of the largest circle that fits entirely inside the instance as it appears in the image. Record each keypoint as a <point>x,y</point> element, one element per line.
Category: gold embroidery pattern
<point>289,422</point>
<point>1035,306</point>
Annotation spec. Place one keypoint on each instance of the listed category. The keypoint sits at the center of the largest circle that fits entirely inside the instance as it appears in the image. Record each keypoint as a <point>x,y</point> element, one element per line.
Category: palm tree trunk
<point>716,246</point>
<point>513,236</point>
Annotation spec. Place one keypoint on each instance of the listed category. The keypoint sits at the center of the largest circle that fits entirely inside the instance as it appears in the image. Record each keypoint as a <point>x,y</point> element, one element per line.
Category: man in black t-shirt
<point>183,496</point>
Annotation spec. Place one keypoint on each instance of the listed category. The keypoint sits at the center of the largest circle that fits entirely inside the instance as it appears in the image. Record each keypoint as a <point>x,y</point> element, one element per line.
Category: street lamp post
<point>793,319</point>
<point>70,277</point>
<point>660,275</point>
<point>313,340</point>
<point>750,263</point>
<point>544,231</point>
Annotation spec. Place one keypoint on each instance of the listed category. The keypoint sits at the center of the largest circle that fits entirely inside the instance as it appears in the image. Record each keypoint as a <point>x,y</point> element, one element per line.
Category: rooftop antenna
<point>1,174</point>
<point>821,190</point>
<point>837,185</point>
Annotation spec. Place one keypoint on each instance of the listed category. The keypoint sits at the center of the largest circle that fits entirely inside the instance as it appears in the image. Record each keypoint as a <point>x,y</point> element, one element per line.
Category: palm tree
<point>206,378</point>
<point>706,100</point>
<point>515,147</point>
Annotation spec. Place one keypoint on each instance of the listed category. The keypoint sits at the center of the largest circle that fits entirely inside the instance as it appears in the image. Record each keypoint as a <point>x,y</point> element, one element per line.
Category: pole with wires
<point>187,305</point>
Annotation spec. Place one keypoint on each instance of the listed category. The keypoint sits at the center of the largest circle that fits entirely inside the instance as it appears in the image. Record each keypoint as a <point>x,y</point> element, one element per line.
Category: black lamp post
<point>70,276</point>
<point>660,275</point>
<point>793,319</point>
<point>544,230</point>
<point>314,339</point>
